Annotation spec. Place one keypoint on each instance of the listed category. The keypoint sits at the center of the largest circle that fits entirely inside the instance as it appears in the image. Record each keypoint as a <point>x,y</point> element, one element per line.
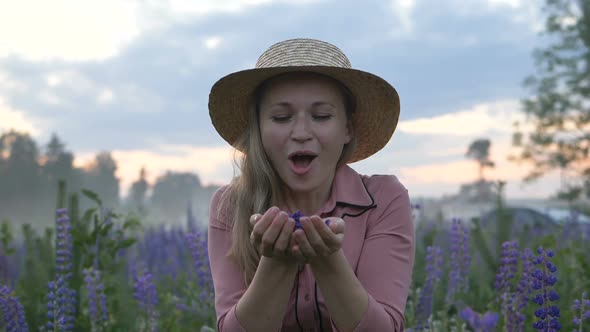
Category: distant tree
<point>171,193</point>
<point>19,170</point>
<point>101,178</point>
<point>20,178</point>
<point>559,108</point>
<point>138,192</point>
<point>479,150</point>
<point>58,163</point>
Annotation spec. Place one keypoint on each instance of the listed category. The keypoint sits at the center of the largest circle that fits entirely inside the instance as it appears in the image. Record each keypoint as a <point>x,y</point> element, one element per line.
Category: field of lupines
<point>101,271</point>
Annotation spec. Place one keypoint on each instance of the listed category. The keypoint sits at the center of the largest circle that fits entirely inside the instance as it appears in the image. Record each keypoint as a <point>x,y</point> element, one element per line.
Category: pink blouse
<point>378,243</point>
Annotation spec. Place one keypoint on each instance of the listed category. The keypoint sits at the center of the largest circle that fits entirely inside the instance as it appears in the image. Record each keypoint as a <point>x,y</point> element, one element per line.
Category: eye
<point>322,117</point>
<point>280,119</point>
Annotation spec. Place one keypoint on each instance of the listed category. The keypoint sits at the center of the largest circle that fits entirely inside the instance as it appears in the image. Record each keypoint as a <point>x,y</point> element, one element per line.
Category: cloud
<point>66,29</point>
<point>480,119</point>
<point>212,42</point>
<point>15,119</point>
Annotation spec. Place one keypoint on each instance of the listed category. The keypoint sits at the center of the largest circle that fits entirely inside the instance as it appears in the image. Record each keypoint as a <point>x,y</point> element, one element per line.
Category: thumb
<point>254,218</point>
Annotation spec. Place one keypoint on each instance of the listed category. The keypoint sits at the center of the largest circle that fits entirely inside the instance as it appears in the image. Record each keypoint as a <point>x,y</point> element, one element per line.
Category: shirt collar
<point>348,189</point>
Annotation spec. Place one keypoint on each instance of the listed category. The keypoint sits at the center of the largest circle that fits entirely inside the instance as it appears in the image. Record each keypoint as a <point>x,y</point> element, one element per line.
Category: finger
<point>337,225</point>
<point>297,254</point>
<point>284,238</point>
<point>272,233</point>
<point>329,239</point>
<point>304,246</point>
<point>254,218</point>
<point>311,226</point>
<point>261,226</point>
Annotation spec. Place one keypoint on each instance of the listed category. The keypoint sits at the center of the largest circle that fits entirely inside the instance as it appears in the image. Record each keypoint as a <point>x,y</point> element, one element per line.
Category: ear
<point>349,132</point>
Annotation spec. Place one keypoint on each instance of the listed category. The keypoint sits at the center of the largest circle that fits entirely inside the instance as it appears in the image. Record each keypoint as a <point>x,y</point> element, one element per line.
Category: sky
<point>133,77</point>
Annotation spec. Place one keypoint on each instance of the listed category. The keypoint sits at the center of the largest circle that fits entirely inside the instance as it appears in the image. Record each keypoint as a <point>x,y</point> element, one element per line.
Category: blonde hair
<point>257,188</point>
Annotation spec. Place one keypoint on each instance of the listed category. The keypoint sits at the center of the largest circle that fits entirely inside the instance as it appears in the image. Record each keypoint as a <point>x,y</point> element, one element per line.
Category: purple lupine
<point>508,266</point>
<point>543,282</point>
<point>197,243</point>
<point>13,315</point>
<point>61,304</point>
<point>460,260</point>
<point>504,283</point>
<point>144,292</point>
<point>478,322</point>
<point>523,291</point>
<point>581,307</point>
<point>96,299</point>
<point>433,275</point>
<point>297,217</point>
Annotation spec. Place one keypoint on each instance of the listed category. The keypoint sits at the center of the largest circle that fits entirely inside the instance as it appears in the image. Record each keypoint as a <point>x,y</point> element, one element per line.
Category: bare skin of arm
<point>346,299</point>
<point>320,244</point>
<point>263,305</point>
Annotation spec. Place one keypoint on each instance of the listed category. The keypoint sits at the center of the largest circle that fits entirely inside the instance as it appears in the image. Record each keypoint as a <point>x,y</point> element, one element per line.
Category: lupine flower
<point>460,260</point>
<point>478,322</point>
<point>523,292</point>
<point>297,217</point>
<point>197,243</point>
<point>13,314</point>
<point>581,308</point>
<point>96,299</point>
<point>433,275</point>
<point>543,282</point>
<point>508,266</point>
<point>61,299</point>
<point>145,294</point>
<point>504,286</point>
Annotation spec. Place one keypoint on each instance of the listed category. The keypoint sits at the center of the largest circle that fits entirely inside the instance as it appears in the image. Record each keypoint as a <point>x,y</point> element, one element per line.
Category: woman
<point>299,241</point>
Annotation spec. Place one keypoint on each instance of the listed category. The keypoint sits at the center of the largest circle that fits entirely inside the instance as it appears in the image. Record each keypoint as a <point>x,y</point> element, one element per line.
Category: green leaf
<point>92,196</point>
<point>126,243</point>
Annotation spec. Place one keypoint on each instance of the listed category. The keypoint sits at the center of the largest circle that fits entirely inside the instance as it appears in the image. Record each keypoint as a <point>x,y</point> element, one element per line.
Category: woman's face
<point>303,113</point>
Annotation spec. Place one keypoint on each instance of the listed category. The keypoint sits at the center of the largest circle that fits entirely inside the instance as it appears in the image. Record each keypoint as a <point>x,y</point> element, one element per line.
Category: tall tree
<point>479,150</point>
<point>58,163</point>
<point>20,166</point>
<point>20,177</point>
<point>559,108</point>
<point>171,193</point>
<point>102,179</point>
<point>138,191</point>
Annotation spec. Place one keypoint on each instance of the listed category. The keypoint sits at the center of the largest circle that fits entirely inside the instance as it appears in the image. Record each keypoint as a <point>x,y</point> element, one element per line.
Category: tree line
<point>30,173</point>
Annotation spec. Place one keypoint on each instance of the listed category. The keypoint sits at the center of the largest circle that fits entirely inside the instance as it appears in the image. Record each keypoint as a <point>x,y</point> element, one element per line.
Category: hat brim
<point>374,120</point>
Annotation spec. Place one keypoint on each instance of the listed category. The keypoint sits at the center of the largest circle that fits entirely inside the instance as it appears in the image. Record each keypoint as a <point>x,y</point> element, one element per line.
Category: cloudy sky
<point>133,77</point>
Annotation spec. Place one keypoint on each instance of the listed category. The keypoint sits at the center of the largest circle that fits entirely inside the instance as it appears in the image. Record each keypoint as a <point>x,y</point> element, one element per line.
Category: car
<point>564,215</point>
<point>520,215</point>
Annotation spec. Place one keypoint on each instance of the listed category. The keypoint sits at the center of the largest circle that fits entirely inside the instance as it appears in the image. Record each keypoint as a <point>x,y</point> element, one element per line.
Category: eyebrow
<point>314,104</point>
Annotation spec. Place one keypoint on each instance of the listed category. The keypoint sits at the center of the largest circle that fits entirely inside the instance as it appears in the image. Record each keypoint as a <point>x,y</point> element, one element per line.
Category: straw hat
<point>377,102</point>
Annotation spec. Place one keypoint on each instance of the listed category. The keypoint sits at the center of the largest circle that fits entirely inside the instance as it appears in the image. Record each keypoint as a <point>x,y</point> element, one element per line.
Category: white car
<point>563,215</point>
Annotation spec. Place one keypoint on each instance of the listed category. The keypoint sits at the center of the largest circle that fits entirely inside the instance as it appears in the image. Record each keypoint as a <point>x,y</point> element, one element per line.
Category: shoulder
<point>218,208</point>
<point>392,203</point>
<point>384,185</point>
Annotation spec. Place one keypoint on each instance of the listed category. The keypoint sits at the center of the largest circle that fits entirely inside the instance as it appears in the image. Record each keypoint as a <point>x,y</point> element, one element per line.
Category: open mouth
<point>301,161</point>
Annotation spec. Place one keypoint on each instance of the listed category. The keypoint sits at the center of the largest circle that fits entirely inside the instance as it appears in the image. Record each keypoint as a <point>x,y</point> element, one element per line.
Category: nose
<point>301,129</point>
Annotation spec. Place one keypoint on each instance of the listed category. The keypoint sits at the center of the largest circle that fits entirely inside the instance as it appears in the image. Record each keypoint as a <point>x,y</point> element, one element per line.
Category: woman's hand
<point>272,233</point>
<point>318,238</point>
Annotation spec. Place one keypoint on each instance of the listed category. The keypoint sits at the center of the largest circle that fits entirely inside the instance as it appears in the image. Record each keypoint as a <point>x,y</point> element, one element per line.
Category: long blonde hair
<point>257,188</point>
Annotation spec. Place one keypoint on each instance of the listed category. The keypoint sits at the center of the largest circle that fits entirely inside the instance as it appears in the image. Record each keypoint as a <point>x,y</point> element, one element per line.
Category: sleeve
<point>228,283</point>
<point>387,258</point>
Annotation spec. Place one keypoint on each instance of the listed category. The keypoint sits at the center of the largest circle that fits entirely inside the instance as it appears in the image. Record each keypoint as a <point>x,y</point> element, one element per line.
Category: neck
<point>309,202</point>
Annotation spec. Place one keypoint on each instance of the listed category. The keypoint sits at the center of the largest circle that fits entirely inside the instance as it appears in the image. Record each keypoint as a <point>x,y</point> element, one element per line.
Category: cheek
<point>272,139</point>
